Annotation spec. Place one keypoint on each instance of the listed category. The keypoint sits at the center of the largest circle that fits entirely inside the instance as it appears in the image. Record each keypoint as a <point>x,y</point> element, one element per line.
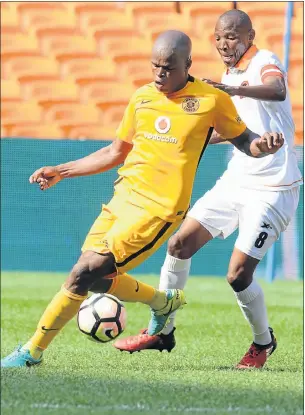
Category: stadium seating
<point>112,110</point>
<point>10,90</point>
<point>28,130</point>
<point>113,42</point>
<point>74,66</point>
<point>98,89</point>
<point>88,131</point>
<point>55,41</point>
<point>48,87</point>
<point>14,112</point>
<point>97,53</point>
<point>68,112</point>
<point>15,65</point>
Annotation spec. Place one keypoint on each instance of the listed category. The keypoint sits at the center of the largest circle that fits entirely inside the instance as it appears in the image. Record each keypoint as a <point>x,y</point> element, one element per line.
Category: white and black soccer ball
<point>102,317</point>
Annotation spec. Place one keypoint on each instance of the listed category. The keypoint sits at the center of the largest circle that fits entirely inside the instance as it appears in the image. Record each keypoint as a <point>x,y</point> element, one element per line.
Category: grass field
<point>80,377</point>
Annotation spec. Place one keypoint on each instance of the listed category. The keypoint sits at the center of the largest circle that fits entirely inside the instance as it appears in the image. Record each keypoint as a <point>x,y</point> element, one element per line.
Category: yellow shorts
<point>129,232</point>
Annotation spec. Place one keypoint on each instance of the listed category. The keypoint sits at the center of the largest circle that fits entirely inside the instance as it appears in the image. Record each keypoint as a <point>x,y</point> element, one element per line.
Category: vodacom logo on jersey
<point>162,125</point>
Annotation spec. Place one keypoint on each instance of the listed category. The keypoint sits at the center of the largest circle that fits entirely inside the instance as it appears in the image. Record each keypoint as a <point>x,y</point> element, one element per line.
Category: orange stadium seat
<point>261,12</point>
<point>203,16</point>
<point>112,111</point>
<point>13,42</point>
<point>94,90</point>
<point>80,66</point>
<point>298,117</point>
<point>296,97</point>
<point>29,130</point>
<point>63,113</point>
<point>17,65</point>
<point>3,132</point>
<point>157,16</point>
<point>98,16</point>
<point>138,82</point>
<point>120,41</point>
<point>15,112</point>
<point>131,66</point>
<point>57,41</point>
<point>9,16</point>
<point>10,90</point>
<point>203,68</point>
<point>276,42</point>
<point>34,16</point>
<point>89,131</point>
<point>48,87</point>
<point>296,73</point>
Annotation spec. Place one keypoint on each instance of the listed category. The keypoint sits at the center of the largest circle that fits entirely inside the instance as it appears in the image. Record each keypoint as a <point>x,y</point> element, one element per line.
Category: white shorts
<point>260,215</point>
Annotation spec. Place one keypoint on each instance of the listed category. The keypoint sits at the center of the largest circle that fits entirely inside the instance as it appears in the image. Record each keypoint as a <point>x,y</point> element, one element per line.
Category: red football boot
<point>257,355</point>
<point>144,341</point>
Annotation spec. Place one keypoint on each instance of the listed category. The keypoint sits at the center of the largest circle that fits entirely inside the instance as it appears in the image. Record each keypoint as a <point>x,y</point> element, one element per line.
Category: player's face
<point>231,42</point>
<point>169,73</point>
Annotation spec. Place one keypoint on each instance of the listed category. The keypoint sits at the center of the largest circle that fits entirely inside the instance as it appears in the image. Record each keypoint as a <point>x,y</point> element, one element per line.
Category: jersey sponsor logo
<point>190,104</point>
<point>238,119</point>
<point>145,101</point>
<point>162,138</point>
<point>162,124</point>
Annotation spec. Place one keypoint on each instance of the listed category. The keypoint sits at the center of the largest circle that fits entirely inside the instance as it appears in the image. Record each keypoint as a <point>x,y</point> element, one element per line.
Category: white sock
<point>174,274</point>
<point>252,304</point>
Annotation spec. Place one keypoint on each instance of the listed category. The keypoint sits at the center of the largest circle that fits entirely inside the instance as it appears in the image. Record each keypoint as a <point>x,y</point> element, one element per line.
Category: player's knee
<point>178,247</point>
<point>90,268</point>
<point>239,277</point>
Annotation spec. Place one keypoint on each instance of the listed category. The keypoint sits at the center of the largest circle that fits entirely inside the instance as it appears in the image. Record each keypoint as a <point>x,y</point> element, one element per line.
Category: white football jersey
<point>274,172</point>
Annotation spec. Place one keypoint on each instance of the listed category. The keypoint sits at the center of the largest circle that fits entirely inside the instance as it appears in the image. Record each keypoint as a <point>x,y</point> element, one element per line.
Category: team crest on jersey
<point>238,119</point>
<point>162,125</point>
<point>190,104</point>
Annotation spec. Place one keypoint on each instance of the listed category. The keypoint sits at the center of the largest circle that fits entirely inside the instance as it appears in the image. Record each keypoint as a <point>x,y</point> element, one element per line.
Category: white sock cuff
<point>175,264</point>
<point>248,295</point>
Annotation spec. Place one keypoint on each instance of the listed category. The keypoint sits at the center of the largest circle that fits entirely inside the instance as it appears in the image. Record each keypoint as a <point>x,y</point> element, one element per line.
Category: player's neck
<point>181,86</point>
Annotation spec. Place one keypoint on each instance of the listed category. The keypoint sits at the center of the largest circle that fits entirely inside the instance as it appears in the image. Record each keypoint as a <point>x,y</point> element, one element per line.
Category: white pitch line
<point>165,409</point>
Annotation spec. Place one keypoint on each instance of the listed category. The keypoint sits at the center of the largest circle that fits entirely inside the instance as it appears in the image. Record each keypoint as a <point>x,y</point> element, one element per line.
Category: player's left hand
<point>231,90</point>
<point>270,142</point>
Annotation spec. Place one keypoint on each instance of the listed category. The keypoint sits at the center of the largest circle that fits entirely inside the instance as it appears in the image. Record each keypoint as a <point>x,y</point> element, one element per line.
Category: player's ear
<point>188,63</point>
<point>251,35</point>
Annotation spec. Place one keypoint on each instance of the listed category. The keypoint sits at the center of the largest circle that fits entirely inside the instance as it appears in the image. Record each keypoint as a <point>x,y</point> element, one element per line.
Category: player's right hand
<point>46,177</point>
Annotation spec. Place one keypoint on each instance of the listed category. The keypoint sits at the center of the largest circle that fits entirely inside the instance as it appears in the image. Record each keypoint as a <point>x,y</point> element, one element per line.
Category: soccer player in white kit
<point>258,196</point>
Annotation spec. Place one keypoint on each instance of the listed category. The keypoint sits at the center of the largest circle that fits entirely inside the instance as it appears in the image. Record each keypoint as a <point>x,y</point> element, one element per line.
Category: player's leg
<point>131,248</point>
<point>262,220</point>
<point>213,215</point>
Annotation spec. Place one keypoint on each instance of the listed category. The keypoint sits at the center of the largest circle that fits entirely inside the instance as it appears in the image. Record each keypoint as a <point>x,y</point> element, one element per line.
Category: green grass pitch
<point>80,377</point>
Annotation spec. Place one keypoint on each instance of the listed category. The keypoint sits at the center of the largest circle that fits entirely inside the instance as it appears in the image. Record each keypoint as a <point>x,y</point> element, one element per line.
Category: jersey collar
<point>244,62</point>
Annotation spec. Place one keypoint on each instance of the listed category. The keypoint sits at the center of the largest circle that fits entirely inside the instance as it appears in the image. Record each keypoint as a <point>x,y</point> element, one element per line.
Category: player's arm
<point>273,86</point>
<point>216,138</point>
<point>102,160</point>
<point>253,145</point>
<point>229,126</point>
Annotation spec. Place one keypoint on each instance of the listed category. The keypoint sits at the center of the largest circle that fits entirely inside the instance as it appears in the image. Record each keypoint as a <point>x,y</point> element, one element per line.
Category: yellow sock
<point>61,309</point>
<point>126,288</point>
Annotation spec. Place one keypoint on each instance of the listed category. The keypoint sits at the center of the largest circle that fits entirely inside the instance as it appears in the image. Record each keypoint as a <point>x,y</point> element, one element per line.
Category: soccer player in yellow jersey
<point>163,134</point>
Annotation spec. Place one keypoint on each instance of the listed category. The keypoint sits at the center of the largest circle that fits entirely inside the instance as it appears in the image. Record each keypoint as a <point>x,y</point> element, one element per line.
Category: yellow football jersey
<point>169,134</point>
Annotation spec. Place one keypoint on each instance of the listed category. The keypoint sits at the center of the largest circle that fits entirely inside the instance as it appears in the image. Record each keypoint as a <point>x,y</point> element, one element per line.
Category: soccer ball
<point>102,317</point>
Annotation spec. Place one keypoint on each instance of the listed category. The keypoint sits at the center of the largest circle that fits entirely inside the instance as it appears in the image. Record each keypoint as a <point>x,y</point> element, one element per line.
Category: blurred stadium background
<point>68,70</point>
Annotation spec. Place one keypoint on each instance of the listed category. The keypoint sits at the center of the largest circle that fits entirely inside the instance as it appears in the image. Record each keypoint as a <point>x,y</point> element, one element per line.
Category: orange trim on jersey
<point>278,74</point>
<point>245,60</point>
<point>286,185</point>
<point>266,67</point>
